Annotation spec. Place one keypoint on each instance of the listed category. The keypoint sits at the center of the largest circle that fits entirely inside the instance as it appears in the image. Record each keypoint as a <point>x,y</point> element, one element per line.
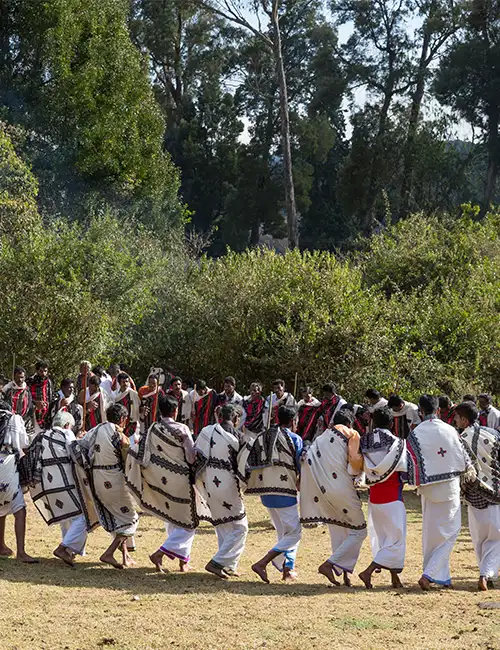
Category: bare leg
<point>326,569</point>
<point>5,551</point>
<point>127,560</point>
<point>64,554</point>
<point>20,530</point>
<point>108,557</point>
<point>216,569</point>
<point>184,566</point>
<point>260,567</point>
<point>425,584</point>
<point>482,585</point>
<point>347,580</point>
<point>157,559</point>
<point>289,575</point>
<point>395,580</point>
<point>366,575</point>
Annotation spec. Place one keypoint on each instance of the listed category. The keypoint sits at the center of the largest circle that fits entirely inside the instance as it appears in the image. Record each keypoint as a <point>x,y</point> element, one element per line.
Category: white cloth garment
<point>231,538</point>
<point>493,418</point>
<point>346,545</point>
<point>15,439</point>
<point>378,405</point>
<point>287,524</point>
<point>178,543</point>
<point>387,533</point>
<point>484,526</point>
<point>74,534</point>
<point>441,523</point>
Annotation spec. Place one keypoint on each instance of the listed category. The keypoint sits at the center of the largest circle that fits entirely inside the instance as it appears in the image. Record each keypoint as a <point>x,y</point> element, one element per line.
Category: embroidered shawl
<point>55,494</point>
<point>204,410</point>
<point>383,454</point>
<point>483,446</point>
<point>100,462</point>
<point>254,411</point>
<point>435,453</point>
<point>217,481</point>
<point>160,477</point>
<point>308,415</point>
<point>327,492</point>
<point>13,438</point>
<point>267,463</point>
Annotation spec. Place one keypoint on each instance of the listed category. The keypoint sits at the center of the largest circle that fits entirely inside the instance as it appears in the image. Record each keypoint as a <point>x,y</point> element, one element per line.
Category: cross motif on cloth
<point>442,452</point>
<point>217,481</point>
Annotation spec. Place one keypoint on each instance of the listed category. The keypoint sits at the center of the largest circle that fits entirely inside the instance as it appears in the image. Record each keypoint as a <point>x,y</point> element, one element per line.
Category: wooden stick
<point>13,365</point>
<point>270,413</point>
<point>84,405</point>
<point>295,385</point>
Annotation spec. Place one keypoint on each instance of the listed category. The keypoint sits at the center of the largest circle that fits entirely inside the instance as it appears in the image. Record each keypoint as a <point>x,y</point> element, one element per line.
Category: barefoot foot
<point>107,558</point>
<point>261,571</point>
<point>366,579</point>
<point>396,582</point>
<point>26,559</point>
<point>326,569</point>
<point>425,584</point>
<point>482,584</point>
<point>217,570</point>
<point>289,575</point>
<point>184,567</point>
<point>5,551</point>
<point>63,554</point>
<point>157,559</point>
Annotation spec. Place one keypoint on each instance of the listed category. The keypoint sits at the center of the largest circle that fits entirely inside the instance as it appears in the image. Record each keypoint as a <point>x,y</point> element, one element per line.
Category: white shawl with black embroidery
<point>383,454</point>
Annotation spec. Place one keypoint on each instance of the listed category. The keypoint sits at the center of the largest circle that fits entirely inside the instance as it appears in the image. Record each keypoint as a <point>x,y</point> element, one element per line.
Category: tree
<point>468,80</point>
<point>274,12</point>
<point>80,88</point>
<point>441,19</point>
<point>378,56</point>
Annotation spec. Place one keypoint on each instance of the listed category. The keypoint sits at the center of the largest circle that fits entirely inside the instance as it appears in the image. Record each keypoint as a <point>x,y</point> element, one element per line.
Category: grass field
<point>92,606</point>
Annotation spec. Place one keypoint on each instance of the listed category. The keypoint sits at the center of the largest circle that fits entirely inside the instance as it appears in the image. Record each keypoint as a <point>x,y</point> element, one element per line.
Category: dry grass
<point>52,606</point>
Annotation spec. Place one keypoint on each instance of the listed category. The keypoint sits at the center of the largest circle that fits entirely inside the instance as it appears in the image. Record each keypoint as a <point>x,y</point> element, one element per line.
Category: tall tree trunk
<point>291,208</point>
<point>416,104</point>
<point>374,182</point>
<point>493,158</point>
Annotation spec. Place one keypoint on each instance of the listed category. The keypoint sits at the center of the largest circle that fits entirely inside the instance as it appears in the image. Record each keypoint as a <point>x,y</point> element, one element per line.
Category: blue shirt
<point>276,500</point>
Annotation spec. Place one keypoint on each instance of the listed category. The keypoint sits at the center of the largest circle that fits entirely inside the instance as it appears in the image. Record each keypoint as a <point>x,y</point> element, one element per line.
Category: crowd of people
<point>99,451</point>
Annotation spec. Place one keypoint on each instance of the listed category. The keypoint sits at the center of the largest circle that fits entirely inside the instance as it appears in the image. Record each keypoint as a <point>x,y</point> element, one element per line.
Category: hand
<point>65,401</point>
<point>39,404</point>
<point>92,406</point>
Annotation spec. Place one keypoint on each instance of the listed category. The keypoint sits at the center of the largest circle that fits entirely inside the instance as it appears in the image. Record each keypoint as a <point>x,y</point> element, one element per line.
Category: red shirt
<point>388,491</point>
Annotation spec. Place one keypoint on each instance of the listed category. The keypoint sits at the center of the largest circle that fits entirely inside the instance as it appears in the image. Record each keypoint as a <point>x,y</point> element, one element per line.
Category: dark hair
<point>229,411</point>
<point>468,411</point>
<point>41,364</point>
<point>66,382</point>
<point>306,389</point>
<point>344,416</point>
<point>285,415</point>
<point>167,405</point>
<point>114,367</point>
<point>5,406</point>
<point>174,379</point>
<point>486,396</point>
<point>201,383</point>
<point>361,410</point>
<point>394,400</point>
<point>372,393</point>
<point>122,376</point>
<point>382,418</point>
<point>3,379</point>
<point>19,369</point>
<point>98,370</point>
<point>469,398</point>
<point>329,388</point>
<point>428,404</point>
<point>116,413</point>
<point>95,380</point>
<point>444,402</point>
<point>279,382</point>
<point>230,380</point>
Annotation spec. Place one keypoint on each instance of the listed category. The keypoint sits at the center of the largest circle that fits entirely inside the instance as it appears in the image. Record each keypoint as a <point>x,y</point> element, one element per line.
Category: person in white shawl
<point>406,416</point>
<point>96,402</point>
<point>483,495</point>
<point>219,487</point>
<point>159,473</point>
<point>53,489</point>
<point>127,397</point>
<point>100,456</point>
<point>13,439</point>
<point>328,495</point>
<point>436,460</point>
<point>384,458</point>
